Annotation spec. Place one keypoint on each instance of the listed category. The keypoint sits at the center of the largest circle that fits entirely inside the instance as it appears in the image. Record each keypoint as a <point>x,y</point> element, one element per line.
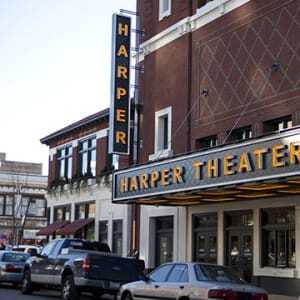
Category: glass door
<point>239,243</point>
<point>164,240</point>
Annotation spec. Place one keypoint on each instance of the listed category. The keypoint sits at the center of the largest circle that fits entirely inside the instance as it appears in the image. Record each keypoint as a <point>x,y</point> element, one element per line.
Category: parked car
<point>73,266</point>
<point>12,266</point>
<point>191,281</point>
<point>31,250</point>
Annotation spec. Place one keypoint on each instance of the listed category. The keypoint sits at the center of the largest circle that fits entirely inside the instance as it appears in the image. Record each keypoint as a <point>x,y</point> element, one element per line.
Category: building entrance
<point>239,242</point>
<point>164,240</point>
<point>205,238</point>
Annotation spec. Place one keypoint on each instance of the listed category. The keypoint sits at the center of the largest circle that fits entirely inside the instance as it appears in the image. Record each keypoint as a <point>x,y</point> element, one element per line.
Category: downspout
<point>189,83</point>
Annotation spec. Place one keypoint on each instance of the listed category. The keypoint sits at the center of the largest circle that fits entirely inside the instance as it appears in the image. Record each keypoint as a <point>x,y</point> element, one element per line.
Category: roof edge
<point>85,121</point>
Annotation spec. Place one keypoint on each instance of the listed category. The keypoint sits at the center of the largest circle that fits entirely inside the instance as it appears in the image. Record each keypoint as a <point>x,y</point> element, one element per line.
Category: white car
<point>191,281</point>
<point>31,250</point>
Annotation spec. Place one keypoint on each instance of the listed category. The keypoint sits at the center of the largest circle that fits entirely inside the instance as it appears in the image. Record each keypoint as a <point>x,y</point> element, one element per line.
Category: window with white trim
<point>163,121</point>
<point>87,157</point>
<point>64,160</point>
<point>164,8</point>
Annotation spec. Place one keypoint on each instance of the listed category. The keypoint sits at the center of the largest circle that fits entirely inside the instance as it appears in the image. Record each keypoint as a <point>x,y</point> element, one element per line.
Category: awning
<point>73,227</point>
<point>52,228</point>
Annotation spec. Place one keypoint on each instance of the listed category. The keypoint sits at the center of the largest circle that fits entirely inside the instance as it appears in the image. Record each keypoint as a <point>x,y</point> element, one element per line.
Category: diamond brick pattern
<point>236,67</point>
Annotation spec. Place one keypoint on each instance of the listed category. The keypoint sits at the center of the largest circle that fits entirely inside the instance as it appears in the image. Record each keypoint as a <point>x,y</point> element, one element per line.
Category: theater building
<point>218,174</point>
<point>79,185</point>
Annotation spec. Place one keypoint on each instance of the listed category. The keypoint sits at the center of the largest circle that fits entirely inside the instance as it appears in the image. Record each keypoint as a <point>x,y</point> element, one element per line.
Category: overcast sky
<point>54,68</point>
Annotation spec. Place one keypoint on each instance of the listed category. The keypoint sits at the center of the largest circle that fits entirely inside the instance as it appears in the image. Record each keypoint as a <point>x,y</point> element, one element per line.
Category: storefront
<point>236,205</point>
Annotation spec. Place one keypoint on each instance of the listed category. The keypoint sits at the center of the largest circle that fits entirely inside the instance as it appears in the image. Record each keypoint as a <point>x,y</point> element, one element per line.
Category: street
<point>9,293</point>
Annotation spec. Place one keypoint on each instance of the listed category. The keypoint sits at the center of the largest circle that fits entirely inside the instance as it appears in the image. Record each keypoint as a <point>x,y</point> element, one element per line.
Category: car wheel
<point>68,289</point>
<point>26,288</point>
<point>127,297</point>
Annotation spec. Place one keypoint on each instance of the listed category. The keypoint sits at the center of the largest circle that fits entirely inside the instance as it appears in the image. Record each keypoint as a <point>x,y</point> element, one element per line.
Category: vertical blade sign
<point>120,86</point>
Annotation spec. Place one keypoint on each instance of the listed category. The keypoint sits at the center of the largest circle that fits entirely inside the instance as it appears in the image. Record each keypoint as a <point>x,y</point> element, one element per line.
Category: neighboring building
<point>221,80</point>
<point>22,201</point>
<point>79,197</point>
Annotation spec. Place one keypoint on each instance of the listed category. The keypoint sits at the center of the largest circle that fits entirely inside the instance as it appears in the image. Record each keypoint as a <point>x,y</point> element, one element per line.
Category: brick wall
<point>232,58</point>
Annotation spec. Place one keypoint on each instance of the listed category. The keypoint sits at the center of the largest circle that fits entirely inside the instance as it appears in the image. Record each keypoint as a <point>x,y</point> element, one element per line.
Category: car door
<point>177,283</point>
<point>56,262</point>
<point>42,266</point>
<point>151,289</point>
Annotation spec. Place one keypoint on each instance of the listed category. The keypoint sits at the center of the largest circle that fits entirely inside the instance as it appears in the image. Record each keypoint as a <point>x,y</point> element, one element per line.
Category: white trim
<point>102,133</point>
<point>99,134</point>
<point>205,15</point>
<point>162,153</point>
<point>166,13</point>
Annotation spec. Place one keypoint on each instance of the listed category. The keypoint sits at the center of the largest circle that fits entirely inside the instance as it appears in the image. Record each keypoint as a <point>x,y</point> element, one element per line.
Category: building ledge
<point>204,15</point>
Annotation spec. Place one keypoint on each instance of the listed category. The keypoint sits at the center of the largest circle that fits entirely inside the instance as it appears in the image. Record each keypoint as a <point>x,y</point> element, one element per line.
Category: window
<point>278,124</point>
<point>201,3</point>
<point>6,205</point>
<point>117,238</point>
<point>164,8</point>
<point>240,134</point>
<point>87,157</point>
<point>2,205</point>
<point>160,274</point>
<point>207,142</point>
<point>64,160</point>
<point>179,274</point>
<point>48,248</point>
<point>217,274</point>
<point>80,212</point>
<point>162,144</point>
<point>37,207</point>
<point>85,211</point>
<point>103,231</point>
<point>9,200</point>
<point>278,237</point>
<point>91,211</point>
<point>62,213</point>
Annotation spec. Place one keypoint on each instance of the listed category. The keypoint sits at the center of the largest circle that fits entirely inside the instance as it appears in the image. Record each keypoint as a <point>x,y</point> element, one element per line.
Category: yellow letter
<point>121,115</point>
<point>228,165</point>
<point>121,137</point>
<point>294,153</point>
<point>212,168</point>
<point>122,51</point>
<point>277,155</point>
<point>133,184</point>
<point>164,177</point>
<point>144,181</point>
<point>259,158</point>
<point>120,93</point>
<point>154,178</point>
<point>197,165</point>
<point>123,184</point>
<point>244,165</point>
<point>123,29</point>
<point>122,72</point>
<point>177,175</point>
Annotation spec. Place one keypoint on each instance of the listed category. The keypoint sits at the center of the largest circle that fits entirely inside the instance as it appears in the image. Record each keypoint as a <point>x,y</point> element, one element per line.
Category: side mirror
<point>146,278</point>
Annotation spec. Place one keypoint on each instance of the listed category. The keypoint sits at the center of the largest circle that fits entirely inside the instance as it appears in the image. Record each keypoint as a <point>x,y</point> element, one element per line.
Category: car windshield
<point>15,257</point>
<point>216,273</point>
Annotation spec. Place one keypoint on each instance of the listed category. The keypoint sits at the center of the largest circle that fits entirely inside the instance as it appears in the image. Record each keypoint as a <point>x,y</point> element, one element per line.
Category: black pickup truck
<point>73,266</point>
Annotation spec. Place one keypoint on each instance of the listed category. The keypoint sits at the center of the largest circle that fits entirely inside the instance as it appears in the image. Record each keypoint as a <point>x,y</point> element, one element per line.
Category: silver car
<point>11,266</point>
<point>191,281</point>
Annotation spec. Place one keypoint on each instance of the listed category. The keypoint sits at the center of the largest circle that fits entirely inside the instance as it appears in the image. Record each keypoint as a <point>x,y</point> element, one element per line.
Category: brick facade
<point>232,59</point>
